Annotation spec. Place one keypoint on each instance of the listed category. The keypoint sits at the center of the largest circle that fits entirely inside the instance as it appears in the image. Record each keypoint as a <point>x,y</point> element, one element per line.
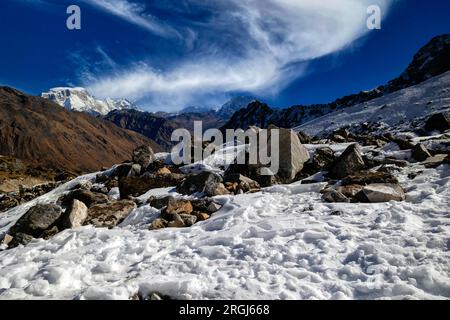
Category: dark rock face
<point>20,239</point>
<point>439,121</point>
<point>37,220</point>
<point>348,163</point>
<point>420,153</point>
<point>136,186</point>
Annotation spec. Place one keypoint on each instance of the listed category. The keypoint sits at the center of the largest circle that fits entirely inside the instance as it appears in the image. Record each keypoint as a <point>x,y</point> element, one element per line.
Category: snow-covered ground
<point>281,243</point>
<point>399,110</point>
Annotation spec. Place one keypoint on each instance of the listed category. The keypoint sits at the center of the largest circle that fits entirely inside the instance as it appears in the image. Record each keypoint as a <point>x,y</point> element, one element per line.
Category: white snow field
<point>398,110</point>
<point>281,243</point>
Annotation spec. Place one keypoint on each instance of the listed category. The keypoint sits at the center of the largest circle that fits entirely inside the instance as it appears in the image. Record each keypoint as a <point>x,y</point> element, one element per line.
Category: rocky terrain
<point>348,216</point>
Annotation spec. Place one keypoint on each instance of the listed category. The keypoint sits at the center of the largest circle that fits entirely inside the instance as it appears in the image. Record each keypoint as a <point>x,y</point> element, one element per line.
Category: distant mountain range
<point>430,61</point>
<point>40,131</point>
<point>79,99</point>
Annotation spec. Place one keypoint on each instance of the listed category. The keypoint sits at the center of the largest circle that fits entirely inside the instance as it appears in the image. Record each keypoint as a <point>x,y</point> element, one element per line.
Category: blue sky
<point>168,54</point>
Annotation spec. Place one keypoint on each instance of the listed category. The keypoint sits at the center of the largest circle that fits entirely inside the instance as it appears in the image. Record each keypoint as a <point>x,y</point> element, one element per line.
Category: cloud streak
<point>256,46</point>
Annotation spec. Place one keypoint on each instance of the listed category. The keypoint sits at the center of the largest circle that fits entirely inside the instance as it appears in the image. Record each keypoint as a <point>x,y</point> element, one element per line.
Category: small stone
<point>20,239</point>
<point>189,220</point>
<point>177,222</point>
<point>163,170</point>
<point>155,297</point>
<point>176,206</point>
<point>334,196</point>
<point>214,207</point>
<point>158,224</point>
<point>202,216</point>
<point>50,233</point>
<point>7,240</point>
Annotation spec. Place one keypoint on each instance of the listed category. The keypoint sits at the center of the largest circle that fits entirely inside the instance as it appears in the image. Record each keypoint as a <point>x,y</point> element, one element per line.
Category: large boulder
<point>420,153</point>
<point>384,192</point>
<point>143,156</point>
<point>209,183</point>
<point>136,186</point>
<point>292,154</point>
<point>75,215</point>
<point>438,121</point>
<point>108,215</point>
<point>348,163</point>
<point>89,198</point>
<point>37,220</point>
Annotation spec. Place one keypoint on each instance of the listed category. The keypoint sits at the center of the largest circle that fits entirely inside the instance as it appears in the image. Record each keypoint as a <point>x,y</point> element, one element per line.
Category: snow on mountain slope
<point>281,243</point>
<point>79,99</point>
<point>400,111</point>
<point>228,109</point>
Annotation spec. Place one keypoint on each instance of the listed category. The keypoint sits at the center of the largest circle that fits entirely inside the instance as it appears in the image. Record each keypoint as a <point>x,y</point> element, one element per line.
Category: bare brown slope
<point>38,130</point>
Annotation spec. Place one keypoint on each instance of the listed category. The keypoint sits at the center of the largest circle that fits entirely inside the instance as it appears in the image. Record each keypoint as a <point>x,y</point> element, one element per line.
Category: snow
<point>79,99</point>
<point>280,243</point>
<point>399,110</point>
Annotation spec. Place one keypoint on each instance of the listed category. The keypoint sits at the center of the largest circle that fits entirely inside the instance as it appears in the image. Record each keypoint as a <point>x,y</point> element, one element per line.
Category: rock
<point>350,190</point>
<point>100,189</point>
<point>188,220</point>
<point>435,161</point>
<point>7,239</point>
<point>20,239</point>
<point>369,177</point>
<point>205,205</point>
<point>379,192</point>
<point>163,170</point>
<point>201,216</point>
<point>83,185</point>
<point>292,154</point>
<point>177,206</point>
<point>89,198</point>
<point>37,220</point>
<point>155,297</point>
<point>207,182</point>
<point>159,224</point>
<point>338,138</point>
<point>395,162</point>
<point>241,182</point>
<point>123,170</point>
<point>135,170</point>
<point>75,215</point>
<point>143,156</point>
<point>334,196</point>
<point>348,163</point>
<point>50,233</point>
<point>323,159</point>
<point>108,215</point>
<point>159,203</point>
<point>420,153</point>
<point>439,121</point>
<point>177,222</point>
<point>136,186</point>
<point>304,138</point>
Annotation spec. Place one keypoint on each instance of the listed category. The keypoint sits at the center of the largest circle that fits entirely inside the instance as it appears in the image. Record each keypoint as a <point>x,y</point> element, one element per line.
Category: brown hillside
<point>38,130</point>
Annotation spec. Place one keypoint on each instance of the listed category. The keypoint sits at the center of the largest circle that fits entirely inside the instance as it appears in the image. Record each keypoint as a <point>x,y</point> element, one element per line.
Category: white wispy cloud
<point>135,14</point>
<point>256,46</point>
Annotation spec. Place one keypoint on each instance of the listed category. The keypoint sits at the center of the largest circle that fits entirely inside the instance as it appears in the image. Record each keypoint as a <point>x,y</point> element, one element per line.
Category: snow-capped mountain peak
<point>79,99</point>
